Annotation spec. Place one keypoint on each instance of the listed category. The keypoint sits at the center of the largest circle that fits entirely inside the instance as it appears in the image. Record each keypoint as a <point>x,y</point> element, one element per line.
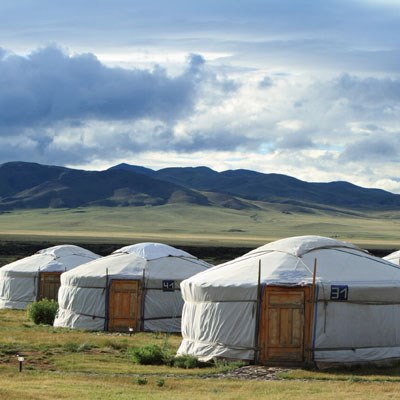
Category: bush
<point>115,345</point>
<point>71,347</point>
<point>43,311</point>
<point>187,361</point>
<point>149,355</point>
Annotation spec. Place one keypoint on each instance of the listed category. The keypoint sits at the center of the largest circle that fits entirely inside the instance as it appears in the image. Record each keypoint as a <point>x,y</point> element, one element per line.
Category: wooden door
<point>124,305</point>
<point>49,283</point>
<point>285,325</point>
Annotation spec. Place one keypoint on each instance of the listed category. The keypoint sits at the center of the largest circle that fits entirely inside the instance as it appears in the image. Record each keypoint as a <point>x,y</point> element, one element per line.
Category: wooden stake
<point>107,303</point>
<point>142,300</point>
<point>313,280</point>
<point>258,308</point>
<point>314,301</point>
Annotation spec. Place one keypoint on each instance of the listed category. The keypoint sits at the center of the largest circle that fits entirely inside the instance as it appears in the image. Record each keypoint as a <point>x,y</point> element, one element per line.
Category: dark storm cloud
<point>49,86</point>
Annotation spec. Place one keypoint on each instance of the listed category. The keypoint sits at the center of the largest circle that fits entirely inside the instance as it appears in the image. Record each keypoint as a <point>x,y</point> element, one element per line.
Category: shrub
<point>141,381</point>
<point>71,347</point>
<point>43,311</point>
<point>160,382</point>
<point>121,345</point>
<point>86,347</point>
<point>187,361</point>
<point>149,355</point>
<point>6,349</point>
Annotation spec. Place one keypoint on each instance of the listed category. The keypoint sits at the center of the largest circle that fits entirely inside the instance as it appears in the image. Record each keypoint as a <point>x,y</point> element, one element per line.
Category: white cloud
<point>292,125</point>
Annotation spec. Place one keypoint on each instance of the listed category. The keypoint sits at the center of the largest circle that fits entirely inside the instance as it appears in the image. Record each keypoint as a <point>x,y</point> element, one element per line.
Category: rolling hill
<point>30,185</point>
<point>27,185</point>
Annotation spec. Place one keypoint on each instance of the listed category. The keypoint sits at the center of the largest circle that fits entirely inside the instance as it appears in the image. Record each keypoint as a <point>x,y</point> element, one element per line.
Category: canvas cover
<point>19,280</point>
<point>219,314</point>
<point>83,292</point>
<point>393,257</point>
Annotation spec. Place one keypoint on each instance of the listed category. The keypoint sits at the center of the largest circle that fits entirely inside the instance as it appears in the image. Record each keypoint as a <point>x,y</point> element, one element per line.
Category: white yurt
<point>393,257</point>
<point>135,287</point>
<point>295,300</point>
<point>38,276</point>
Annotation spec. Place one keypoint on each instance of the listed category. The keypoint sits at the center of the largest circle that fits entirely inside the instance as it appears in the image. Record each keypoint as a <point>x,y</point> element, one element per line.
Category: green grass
<point>68,364</point>
<point>32,385</point>
<point>185,224</point>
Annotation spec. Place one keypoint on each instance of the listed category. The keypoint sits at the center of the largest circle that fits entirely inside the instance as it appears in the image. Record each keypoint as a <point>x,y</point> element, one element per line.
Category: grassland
<point>67,364</point>
<point>70,364</point>
<point>196,225</point>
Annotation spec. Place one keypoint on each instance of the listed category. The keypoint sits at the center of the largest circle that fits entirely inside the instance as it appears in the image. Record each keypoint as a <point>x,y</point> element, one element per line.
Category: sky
<point>309,89</point>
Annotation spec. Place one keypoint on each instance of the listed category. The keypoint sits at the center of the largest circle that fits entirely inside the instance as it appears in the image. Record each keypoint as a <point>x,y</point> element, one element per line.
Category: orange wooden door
<point>124,305</point>
<point>49,283</point>
<point>284,325</point>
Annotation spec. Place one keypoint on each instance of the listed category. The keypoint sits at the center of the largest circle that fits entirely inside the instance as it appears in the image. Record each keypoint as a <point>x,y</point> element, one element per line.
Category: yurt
<point>38,276</point>
<point>296,300</point>
<point>393,257</point>
<point>135,288</point>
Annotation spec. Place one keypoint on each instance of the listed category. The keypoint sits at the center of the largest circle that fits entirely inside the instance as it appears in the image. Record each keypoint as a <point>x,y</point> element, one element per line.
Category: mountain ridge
<point>33,185</point>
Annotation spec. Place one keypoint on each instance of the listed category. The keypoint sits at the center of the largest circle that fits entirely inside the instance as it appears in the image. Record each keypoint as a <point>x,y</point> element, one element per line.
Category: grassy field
<point>67,364</point>
<point>196,225</point>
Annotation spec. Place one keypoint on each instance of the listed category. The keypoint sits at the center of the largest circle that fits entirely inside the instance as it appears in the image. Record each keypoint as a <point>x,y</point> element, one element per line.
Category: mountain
<point>30,185</point>
<point>278,188</point>
<point>27,185</point>
<point>18,176</point>
<point>133,168</point>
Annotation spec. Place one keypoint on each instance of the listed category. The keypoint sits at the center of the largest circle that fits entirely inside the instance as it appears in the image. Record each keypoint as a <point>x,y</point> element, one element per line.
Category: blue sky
<point>304,88</point>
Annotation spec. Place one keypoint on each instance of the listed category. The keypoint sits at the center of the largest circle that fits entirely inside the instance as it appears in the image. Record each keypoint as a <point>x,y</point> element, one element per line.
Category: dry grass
<point>183,224</point>
<point>67,364</point>
<point>34,385</point>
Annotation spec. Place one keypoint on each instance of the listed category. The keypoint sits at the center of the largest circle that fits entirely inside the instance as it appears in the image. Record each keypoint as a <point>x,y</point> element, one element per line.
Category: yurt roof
<point>291,261</point>
<point>159,262</point>
<point>301,245</point>
<point>152,251</point>
<point>56,258</point>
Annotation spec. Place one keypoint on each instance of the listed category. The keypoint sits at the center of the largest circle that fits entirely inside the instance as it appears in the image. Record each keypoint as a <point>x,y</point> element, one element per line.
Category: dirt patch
<point>250,372</point>
<point>33,360</point>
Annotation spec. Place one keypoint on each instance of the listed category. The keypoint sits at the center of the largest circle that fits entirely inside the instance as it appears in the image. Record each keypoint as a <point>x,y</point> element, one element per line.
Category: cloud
<point>266,82</point>
<point>294,142</point>
<point>68,109</point>
<point>367,90</point>
<point>384,148</point>
<point>49,86</point>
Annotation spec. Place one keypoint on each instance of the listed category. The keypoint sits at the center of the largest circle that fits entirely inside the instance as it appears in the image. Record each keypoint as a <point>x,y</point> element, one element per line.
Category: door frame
<point>139,305</point>
<point>307,352</point>
<point>43,274</point>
